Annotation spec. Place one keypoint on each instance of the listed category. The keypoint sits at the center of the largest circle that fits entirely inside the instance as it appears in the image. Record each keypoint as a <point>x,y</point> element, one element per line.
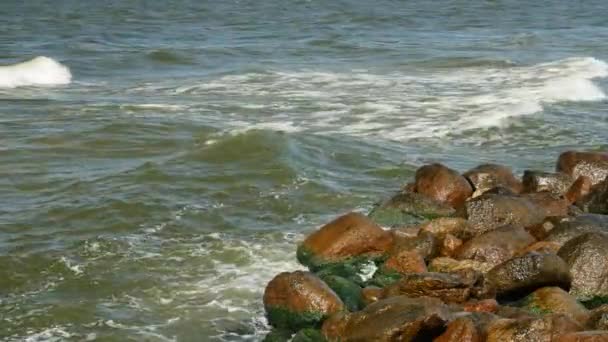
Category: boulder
<point>579,189</point>
<point>348,291</point>
<point>496,246</point>
<point>584,336</point>
<point>449,245</point>
<point>587,258</point>
<point>553,205</point>
<point>556,183</point>
<point>448,265</point>
<point>350,236</point>
<point>598,319</point>
<point>487,176</point>
<point>440,227</point>
<point>425,244</point>
<point>540,329</point>
<point>568,228</point>
<point>449,287</point>
<point>295,300</point>
<point>556,300</point>
<point>443,185</point>
<point>519,276</point>
<point>596,201</point>
<point>490,211</point>
<point>589,164</point>
<point>392,319</point>
<point>406,208</point>
<point>405,261</point>
<point>308,335</point>
<point>371,294</point>
<point>462,329</point>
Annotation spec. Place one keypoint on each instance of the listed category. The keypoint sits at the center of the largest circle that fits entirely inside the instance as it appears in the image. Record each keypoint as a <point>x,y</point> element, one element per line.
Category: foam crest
<point>401,105</point>
<point>40,71</point>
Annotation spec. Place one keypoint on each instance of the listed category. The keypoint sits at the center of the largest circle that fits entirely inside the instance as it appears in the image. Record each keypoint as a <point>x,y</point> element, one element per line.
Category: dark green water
<point>154,196</point>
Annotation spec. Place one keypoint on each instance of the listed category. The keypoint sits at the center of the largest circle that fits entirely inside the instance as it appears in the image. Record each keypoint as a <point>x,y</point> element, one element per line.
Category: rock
<point>371,294</point>
<point>462,329</point>
<point>440,227</point>
<point>406,208</point>
<point>490,211</point>
<point>540,247</point>
<point>570,227</point>
<point>487,176</point>
<point>348,291</point>
<point>425,244</point>
<point>553,205</point>
<point>392,319</point>
<point>278,335</point>
<point>484,305</point>
<point>598,319</point>
<point>449,287</point>
<point>546,328</point>
<point>555,300</point>
<point>522,275</point>
<point>555,183</point>
<point>579,189</point>
<point>449,245</point>
<point>496,246</point>
<point>448,265</point>
<point>596,201</point>
<point>308,335</point>
<point>405,261</point>
<point>584,336</point>
<point>590,164</point>
<point>587,258</point>
<point>443,185</point>
<point>298,300</point>
<point>350,236</point>
<point>541,231</point>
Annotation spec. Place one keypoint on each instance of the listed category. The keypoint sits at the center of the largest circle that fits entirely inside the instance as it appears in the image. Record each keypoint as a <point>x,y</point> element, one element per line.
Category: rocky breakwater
<point>478,256</point>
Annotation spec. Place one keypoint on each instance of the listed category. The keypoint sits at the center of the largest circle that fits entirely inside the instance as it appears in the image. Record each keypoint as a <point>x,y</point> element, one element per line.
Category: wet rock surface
<point>587,258</point>
<point>443,185</point>
<point>488,176</point>
<point>557,183</point>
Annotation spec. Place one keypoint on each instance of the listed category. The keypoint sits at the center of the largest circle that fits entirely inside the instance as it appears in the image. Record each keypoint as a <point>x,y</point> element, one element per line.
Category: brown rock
<point>462,329</point>
<point>440,227</point>
<point>348,236</point>
<point>596,201</point>
<point>555,183</point>
<point>553,205</point>
<point>540,247</point>
<point>449,245</point>
<point>487,176</point>
<point>449,287</point>
<point>392,319</point>
<point>490,211</point>
<point>448,265</point>
<point>496,246</point>
<point>484,305</point>
<point>590,164</point>
<point>405,262</point>
<point>584,336</point>
<point>541,329</point>
<point>522,275</point>
<point>568,228</point>
<point>425,244</point>
<point>443,184</point>
<point>579,189</point>
<point>302,295</point>
<point>541,231</point>
<point>556,300</point>
<point>587,257</point>
<point>371,294</point>
<point>598,319</point>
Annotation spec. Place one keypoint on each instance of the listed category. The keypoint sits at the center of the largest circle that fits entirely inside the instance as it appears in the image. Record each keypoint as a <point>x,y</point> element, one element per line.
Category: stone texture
<point>556,183</point>
<point>443,184</point>
<point>490,211</point>
<point>556,300</point>
<point>587,258</point>
<point>541,329</point>
<point>462,329</point>
<point>405,261</point>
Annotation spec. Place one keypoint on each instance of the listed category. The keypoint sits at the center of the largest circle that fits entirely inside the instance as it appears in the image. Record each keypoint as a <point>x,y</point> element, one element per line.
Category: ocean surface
<point>160,160</point>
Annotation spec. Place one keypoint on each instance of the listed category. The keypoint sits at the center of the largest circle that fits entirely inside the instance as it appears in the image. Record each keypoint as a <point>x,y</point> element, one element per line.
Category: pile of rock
<point>481,256</point>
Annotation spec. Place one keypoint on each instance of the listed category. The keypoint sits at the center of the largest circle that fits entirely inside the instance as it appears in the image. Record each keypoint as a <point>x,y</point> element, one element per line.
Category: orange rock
<point>540,247</point>
<point>485,305</point>
<point>371,294</point>
<point>585,336</point>
<point>590,164</point>
<point>443,184</point>
<point>449,245</point>
<point>579,189</point>
<point>460,330</point>
<point>405,262</point>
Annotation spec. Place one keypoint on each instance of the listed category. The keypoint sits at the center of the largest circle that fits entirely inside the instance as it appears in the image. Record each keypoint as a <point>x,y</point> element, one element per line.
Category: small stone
<point>443,185</point>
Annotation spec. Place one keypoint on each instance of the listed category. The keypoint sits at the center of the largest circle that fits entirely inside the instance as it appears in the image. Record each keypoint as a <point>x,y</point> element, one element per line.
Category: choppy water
<point>159,168</point>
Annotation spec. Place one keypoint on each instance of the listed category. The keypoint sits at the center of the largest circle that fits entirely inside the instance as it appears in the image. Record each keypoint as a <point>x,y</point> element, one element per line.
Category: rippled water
<point>154,196</point>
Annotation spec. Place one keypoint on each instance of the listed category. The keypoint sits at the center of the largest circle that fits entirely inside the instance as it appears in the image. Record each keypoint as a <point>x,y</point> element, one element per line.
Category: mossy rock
<point>288,320</point>
<point>278,335</point>
<point>347,268</point>
<point>406,208</point>
<point>594,302</point>
<point>309,335</point>
<point>347,290</point>
<point>384,277</point>
<point>393,217</point>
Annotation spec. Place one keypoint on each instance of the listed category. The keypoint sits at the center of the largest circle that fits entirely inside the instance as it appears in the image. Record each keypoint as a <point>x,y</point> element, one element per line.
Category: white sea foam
<point>400,105</point>
<point>40,71</point>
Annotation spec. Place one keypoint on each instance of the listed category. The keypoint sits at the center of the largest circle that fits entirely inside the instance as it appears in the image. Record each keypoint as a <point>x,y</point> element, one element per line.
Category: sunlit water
<point>159,165</point>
